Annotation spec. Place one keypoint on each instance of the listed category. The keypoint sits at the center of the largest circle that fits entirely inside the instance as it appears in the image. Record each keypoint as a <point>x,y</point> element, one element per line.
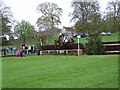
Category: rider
<point>61,36</point>
<point>65,39</point>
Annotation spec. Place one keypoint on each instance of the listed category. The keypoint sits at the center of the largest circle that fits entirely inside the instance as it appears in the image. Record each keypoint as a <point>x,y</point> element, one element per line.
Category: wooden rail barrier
<point>111,47</point>
<point>66,49</point>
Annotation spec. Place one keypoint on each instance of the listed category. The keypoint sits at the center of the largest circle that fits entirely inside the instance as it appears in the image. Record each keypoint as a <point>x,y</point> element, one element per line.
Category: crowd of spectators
<point>20,51</point>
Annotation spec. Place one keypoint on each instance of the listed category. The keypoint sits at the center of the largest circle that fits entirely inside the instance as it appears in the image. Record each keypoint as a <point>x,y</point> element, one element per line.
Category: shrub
<point>93,45</point>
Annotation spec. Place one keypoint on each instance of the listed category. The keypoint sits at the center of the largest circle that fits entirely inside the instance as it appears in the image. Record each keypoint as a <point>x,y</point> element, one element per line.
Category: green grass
<point>106,38</point>
<point>113,37</point>
<point>51,71</point>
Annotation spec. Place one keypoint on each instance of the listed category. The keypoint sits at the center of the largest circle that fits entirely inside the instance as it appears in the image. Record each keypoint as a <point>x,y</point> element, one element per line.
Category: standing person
<point>14,49</point>
<point>26,49</point>
<point>29,49</point>
<point>41,41</point>
<point>7,50</point>
<point>21,50</point>
<point>11,49</point>
<point>4,50</point>
<point>17,53</point>
<point>33,48</point>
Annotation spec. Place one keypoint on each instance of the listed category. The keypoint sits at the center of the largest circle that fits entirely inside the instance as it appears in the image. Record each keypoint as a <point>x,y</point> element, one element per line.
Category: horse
<point>64,42</point>
<point>70,40</point>
<point>60,44</point>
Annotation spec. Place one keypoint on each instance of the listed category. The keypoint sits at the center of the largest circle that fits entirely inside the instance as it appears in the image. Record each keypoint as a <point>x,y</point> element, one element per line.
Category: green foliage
<point>87,15</point>
<point>79,27</point>
<point>24,30</point>
<point>5,19</point>
<point>94,45</point>
<point>49,37</point>
<point>95,22</point>
<point>44,38</point>
<point>89,18</point>
<point>113,15</point>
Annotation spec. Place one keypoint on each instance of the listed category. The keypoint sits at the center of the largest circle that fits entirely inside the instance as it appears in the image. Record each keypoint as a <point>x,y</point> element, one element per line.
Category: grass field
<point>106,38</point>
<point>51,71</point>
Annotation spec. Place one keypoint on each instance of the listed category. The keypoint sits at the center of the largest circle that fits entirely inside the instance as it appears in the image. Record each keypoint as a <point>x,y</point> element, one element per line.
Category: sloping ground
<point>106,38</point>
<point>61,72</point>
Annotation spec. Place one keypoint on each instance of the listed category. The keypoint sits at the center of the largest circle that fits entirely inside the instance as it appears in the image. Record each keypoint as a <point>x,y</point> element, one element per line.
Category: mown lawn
<point>51,71</point>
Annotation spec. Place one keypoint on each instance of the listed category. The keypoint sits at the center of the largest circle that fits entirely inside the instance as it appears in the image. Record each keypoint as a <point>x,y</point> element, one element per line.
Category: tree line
<point>89,18</point>
<point>86,16</point>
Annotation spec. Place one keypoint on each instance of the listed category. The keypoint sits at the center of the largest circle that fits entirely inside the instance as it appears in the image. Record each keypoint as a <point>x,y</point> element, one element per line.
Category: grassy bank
<point>106,38</point>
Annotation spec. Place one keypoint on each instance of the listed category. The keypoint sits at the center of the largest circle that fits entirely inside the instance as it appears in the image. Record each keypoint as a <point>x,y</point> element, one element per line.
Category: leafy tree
<point>113,14</point>
<point>109,22</point>
<point>50,15</point>
<point>5,18</point>
<point>95,19</point>
<point>24,30</point>
<point>82,14</point>
<point>49,19</point>
<point>89,20</point>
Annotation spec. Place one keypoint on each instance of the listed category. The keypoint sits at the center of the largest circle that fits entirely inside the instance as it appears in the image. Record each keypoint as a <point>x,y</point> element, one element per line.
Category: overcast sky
<point>26,9</point>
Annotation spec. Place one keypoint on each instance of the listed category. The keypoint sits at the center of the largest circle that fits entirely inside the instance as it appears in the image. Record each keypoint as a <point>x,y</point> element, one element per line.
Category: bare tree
<point>5,18</point>
<point>50,15</point>
<point>113,11</point>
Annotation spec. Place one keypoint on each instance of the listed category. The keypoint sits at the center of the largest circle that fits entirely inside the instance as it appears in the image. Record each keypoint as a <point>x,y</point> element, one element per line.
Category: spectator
<point>26,49</point>
<point>4,50</point>
<point>11,49</point>
<point>7,50</point>
<point>17,53</point>
<point>29,49</point>
<point>21,50</point>
<point>14,49</point>
<point>33,48</point>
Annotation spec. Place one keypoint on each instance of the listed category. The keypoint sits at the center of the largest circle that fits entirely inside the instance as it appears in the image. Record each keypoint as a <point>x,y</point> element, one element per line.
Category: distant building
<point>68,31</point>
